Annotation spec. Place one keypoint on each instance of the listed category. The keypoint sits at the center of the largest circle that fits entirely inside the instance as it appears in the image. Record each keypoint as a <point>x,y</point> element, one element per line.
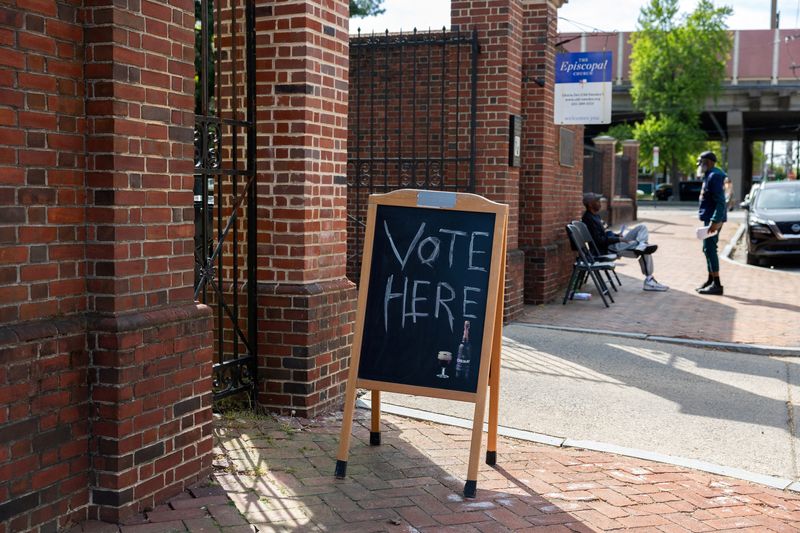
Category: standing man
<point>713,213</point>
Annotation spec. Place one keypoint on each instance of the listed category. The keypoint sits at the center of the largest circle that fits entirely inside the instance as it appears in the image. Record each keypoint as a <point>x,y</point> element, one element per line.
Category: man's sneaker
<point>704,285</point>
<point>652,285</point>
<point>713,289</point>
<point>645,248</point>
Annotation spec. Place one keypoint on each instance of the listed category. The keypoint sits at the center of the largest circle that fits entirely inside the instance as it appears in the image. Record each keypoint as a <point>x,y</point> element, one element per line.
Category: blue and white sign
<point>583,88</point>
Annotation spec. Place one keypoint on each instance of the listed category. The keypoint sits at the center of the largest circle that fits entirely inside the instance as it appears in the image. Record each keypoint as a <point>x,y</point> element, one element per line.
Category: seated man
<point>632,244</point>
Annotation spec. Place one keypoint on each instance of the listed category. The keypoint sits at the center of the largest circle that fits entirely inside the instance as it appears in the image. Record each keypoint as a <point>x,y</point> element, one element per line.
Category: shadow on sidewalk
<point>280,475</point>
<point>672,372</point>
<point>766,303</point>
<point>673,313</point>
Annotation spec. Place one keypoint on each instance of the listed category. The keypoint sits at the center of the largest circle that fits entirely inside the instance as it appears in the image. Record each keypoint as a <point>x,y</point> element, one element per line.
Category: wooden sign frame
<point>489,371</point>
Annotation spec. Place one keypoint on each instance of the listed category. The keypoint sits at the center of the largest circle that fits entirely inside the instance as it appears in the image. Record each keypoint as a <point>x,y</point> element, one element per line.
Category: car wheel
<point>753,260</point>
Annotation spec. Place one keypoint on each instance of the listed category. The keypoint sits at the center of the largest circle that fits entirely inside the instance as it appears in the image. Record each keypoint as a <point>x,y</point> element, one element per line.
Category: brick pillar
<point>630,149</point>
<point>44,396</point>
<point>306,303</point>
<point>550,193</point>
<point>499,26</point>
<point>149,342</point>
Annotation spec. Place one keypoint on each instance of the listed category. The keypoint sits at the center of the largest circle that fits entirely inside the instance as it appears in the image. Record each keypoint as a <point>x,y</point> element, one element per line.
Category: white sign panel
<point>583,88</point>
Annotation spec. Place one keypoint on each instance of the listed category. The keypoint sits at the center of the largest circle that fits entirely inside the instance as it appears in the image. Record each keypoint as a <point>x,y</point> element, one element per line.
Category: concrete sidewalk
<point>759,305</point>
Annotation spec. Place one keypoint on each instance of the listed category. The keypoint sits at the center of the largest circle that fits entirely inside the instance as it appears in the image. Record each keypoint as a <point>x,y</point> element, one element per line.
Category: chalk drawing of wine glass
<point>444,360</point>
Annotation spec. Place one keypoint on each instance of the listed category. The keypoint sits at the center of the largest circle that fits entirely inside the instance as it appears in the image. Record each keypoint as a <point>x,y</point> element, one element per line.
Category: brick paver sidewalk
<point>280,474</point>
<point>758,307</point>
<point>202,509</point>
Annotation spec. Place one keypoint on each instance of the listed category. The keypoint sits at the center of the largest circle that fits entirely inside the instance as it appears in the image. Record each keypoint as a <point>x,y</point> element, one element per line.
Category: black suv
<point>773,221</point>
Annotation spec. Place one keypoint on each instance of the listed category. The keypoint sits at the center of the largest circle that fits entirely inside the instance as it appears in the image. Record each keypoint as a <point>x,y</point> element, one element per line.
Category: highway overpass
<point>760,99</point>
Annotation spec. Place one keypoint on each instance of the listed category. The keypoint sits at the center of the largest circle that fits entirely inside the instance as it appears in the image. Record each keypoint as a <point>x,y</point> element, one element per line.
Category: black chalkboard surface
<point>428,283</point>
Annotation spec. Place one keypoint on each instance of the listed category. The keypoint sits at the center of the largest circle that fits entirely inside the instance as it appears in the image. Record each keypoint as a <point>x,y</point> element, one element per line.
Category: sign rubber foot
<point>470,488</point>
<point>491,458</point>
<point>341,469</point>
<point>375,438</point>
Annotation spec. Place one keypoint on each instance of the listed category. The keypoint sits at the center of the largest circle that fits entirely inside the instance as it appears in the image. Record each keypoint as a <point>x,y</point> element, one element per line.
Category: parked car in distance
<point>773,221</point>
<point>688,191</point>
<point>663,191</point>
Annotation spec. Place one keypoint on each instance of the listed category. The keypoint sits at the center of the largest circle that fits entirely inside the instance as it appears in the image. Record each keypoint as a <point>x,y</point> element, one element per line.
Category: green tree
<point>365,8</point>
<point>677,62</point>
<point>621,132</point>
<point>680,139</point>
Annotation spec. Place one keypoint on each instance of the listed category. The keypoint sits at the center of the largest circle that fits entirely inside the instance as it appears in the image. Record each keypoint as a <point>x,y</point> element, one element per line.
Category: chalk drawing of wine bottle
<point>464,354</point>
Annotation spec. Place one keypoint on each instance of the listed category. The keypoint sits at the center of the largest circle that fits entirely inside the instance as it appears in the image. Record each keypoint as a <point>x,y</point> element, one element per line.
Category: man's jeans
<point>710,249</point>
<point>639,234</point>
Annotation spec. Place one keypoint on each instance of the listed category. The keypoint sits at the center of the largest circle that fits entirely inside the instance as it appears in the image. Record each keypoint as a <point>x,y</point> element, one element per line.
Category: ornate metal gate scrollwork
<point>224,187</point>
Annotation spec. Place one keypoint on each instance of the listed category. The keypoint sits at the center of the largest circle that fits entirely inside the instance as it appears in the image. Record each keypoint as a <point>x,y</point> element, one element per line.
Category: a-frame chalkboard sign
<point>430,309</point>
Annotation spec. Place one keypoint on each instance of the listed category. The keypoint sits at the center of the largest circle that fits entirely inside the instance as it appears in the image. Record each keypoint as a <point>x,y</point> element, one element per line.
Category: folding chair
<point>583,265</point>
<point>594,251</point>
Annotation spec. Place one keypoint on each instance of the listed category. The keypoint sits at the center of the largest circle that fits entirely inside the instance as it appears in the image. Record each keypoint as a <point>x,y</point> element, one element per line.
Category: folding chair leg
<point>611,281</point>
<point>606,287</point>
<point>573,279</point>
<point>598,283</point>
<point>608,291</point>
<point>615,275</point>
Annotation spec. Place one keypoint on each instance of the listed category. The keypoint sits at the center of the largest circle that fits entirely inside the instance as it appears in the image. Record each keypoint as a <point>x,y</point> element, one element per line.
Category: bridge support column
<point>736,152</point>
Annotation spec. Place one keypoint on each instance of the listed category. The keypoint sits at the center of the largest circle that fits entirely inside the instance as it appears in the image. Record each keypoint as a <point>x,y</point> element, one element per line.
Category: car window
<point>779,198</point>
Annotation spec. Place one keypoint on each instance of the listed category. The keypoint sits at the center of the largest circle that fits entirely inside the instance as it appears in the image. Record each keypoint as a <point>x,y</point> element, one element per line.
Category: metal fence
<point>412,119</point>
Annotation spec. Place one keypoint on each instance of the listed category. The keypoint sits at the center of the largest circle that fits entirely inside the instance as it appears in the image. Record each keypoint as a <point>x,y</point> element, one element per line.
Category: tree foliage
<point>678,140</point>
<point>621,132</point>
<point>677,62</point>
<point>365,8</point>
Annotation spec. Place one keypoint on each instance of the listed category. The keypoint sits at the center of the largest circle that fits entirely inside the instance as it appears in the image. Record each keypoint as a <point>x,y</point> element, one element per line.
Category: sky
<point>576,15</point>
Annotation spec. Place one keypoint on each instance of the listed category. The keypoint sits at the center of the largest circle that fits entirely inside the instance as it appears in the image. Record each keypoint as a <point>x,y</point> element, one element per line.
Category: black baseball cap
<point>707,155</point>
<point>589,197</point>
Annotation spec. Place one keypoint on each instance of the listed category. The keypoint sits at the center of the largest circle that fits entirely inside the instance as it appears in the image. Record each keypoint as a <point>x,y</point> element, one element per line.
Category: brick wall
<point>102,349</point>
<point>44,406</point>
<point>44,424</point>
<point>550,193</point>
<point>499,27</point>
<point>150,343</point>
<point>306,304</point>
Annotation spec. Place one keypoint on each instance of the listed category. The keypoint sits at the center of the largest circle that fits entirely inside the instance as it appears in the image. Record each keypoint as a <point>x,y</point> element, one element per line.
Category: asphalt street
<point>731,409</point>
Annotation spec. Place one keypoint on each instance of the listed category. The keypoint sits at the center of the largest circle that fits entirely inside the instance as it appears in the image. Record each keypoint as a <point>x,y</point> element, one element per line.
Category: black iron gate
<point>224,187</point>
<point>412,119</point>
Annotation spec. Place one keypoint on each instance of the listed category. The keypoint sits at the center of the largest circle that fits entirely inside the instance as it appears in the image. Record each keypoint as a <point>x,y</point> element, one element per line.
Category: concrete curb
<point>731,246</point>
<point>560,442</point>
<point>753,349</point>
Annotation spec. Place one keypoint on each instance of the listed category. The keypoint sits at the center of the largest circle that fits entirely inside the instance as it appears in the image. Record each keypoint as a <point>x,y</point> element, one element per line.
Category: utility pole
<point>773,18</point>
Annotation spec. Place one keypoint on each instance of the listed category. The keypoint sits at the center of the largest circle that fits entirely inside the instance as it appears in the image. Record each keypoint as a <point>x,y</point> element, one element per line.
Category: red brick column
<point>499,26</point>
<point>44,398</point>
<point>550,193</point>
<point>630,149</point>
<point>149,342</point>
<point>306,303</point>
